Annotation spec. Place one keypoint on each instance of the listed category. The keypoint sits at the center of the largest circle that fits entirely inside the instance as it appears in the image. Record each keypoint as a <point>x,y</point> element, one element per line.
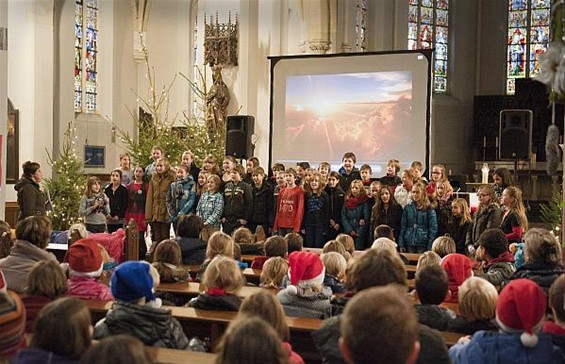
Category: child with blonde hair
<point>419,222</point>
<point>428,258</point>
<point>443,245</point>
<point>219,244</point>
<point>274,272</point>
<point>442,199</point>
<point>347,242</point>
<point>477,307</point>
<point>335,265</point>
<point>459,224</point>
<point>391,178</point>
<point>168,262</point>
<point>246,241</point>
<point>156,204</point>
<point>336,246</point>
<point>316,211</point>
<point>222,281</point>
<point>514,221</point>
<point>211,207</point>
<point>487,216</point>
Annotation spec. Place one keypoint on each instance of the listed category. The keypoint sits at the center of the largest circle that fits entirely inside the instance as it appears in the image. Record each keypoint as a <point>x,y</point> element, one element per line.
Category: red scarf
<point>352,202</point>
<point>216,292</point>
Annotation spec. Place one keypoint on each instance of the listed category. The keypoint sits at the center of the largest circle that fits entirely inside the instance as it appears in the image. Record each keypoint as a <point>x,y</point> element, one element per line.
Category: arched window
<point>528,37</point>
<point>428,27</point>
<point>86,55</point>
<point>361,26</point>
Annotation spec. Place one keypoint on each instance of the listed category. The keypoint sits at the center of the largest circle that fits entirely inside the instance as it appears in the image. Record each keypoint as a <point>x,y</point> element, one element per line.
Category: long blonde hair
<point>465,213</point>
<point>517,205</point>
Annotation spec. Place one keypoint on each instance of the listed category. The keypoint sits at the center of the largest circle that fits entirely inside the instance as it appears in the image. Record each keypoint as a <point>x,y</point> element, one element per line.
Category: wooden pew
<point>174,356</point>
<point>212,324</point>
<point>192,289</point>
<point>131,245</point>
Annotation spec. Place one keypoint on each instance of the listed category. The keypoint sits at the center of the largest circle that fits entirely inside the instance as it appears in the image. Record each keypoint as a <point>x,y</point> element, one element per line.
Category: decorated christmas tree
<point>66,187</point>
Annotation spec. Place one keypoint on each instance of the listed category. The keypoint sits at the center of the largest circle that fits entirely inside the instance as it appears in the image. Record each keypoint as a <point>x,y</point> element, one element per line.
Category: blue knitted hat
<point>131,281</point>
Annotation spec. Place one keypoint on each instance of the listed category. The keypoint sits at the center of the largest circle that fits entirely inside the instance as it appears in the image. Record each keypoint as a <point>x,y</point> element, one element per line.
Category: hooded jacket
<point>153,326</point>
<point>31,200</point>
<point>156,204</point>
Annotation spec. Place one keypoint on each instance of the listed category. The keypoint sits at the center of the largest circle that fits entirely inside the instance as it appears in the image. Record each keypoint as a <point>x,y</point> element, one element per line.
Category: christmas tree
<point>66,187</point>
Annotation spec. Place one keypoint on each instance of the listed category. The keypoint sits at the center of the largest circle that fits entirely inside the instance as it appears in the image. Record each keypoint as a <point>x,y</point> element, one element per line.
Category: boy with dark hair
<point>497,262</point>
<point>238,202</point>
<point>336,196</point>
<point>275,246</point>
<point>262,200</point>
<point>379,326</point>
<point>366,173</point>
<point>295,242</point>
<point>348,171</point>
<point>301,168</point>
<point>431,289</point>
<point>384,231</point>
<point>391,179</point>
<point>290,206</point>
<point>193,249</point>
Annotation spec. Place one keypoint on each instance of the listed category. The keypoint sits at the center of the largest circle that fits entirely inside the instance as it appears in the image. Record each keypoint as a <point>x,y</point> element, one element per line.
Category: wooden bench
<point>174,356</point>
<point>212,324</point>
<point>192,289</point>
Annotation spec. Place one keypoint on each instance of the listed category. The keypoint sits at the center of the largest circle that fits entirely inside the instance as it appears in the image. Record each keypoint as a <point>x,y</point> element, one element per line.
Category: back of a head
<point>443,246</point>
<point>63,327</point>
<point>347,242</point>
<point>223,273</point>
<point>117,349</point>
<point>375,268</point>
<point>276,246</point>
<point>35,230</point>
<point>336,246</point>
<point>477,299</point>
<point>494,242</point>
<point>379,325</point>
<point>266,305</point>
<point>47,279</point>
<point>431,285</point>
<point>133,281</point>
<point>335,264</point>
<point>384,243</point>
<point>428,258</point>
<point>295,242</point>
<point>243,236</point>
<point>250,340</point>
<point>12,322</point>
<point>273,272</point>
<point>190,226</point>
<point>219,244</point>
<point>557,299</point>
<point>384,231</point>
<point>168,251</point>
<point>541,246</point>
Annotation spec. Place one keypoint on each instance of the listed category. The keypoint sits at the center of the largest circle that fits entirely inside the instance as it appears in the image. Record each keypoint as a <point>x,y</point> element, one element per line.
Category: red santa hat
<point>305,269</point>
<point>458,268</point>
<point>521,308</point>
<point>85,259</point>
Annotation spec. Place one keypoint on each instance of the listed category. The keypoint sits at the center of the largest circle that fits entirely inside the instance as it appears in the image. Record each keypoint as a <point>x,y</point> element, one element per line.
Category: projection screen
<point>376,105</point>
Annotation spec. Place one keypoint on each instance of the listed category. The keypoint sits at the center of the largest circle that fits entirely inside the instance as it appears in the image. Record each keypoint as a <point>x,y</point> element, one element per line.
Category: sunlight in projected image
<point>323,107</point>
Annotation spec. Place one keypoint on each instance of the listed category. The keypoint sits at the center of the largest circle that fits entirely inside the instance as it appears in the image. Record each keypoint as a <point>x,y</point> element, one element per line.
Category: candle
<point>485,171</point>
<point>484,142</point>
<point>496,142</point>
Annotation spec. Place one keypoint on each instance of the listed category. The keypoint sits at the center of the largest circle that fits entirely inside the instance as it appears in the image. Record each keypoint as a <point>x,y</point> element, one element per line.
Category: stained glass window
<point>86,55</point>
<point>528,37</point>
<point>428,27</point>
<point>361,26</point>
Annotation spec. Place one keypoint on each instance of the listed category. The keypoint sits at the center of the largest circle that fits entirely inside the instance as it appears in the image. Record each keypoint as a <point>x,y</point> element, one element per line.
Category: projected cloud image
<point>365,112</point>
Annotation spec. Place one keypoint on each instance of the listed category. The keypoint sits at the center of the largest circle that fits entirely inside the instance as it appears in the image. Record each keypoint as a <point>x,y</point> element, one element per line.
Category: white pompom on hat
<point>305,269</point>
<point>521,308</point>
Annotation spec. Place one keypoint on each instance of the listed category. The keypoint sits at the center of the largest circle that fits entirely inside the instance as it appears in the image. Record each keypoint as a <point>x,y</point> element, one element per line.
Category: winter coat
<point>238,201</point>
<point>499,270</point>
<point>487,218</point>
<point>443,215</point>
<point>88,288</point>
<point>418,228</point>
<point>350,219</point>
<point>334,284</point>
<point>205,301</point>
<point>17,266</point>
<point>336,197</point>
<point>262,204</point>
<point>156,204</point>
<point>464,326</point>
<point>33,355</point>
<point>118,201</point>
<point>153,326</point>
<point>488,347</point>
<point>346,179</point>
<point>541,273</point>
<point>435,316</point>
<point>193,250</point>
<point>458,233</point>
<point>180,198</point>
<point>316,210</point>
<point>392,216</point>
<point>31,200</point>
<point>33,305</point>
<point>310,306</point>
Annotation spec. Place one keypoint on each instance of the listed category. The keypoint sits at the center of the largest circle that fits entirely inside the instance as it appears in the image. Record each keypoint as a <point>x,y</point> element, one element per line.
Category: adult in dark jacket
<point>137,312</point>
<point>193,249</point>
<point>31,200</point>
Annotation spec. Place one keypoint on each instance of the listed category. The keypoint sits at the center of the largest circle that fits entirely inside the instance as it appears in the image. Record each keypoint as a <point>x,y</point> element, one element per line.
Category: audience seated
<point>431,291</point>
<point>458,268</point>
<point>335,265</point>
<point>12,322</point>
<point>119,349</point>
<point>557,305</point>
<point>274,272</point>
<point>497,262</point>
<point>193,249</point>
<point>275,246</point>
<point>85,266</point>
<point>477,307</point>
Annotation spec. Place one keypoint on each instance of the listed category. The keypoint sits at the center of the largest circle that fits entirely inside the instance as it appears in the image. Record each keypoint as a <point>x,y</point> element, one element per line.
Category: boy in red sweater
<point>290,206</point>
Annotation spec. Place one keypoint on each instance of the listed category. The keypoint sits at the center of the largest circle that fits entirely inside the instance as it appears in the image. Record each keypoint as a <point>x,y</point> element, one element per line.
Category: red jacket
<point>87,288</point>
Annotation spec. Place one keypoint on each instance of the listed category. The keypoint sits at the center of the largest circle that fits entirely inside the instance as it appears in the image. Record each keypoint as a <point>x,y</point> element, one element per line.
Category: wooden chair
<point>131,246</point>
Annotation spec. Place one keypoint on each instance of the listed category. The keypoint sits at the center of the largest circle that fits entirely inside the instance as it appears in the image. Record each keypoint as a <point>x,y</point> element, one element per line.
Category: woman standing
<point>31,200</point>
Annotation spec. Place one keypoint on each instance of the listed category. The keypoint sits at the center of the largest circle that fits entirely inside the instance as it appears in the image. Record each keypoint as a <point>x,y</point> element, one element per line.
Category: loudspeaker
<point>239,129</point>
<point>515,134</point>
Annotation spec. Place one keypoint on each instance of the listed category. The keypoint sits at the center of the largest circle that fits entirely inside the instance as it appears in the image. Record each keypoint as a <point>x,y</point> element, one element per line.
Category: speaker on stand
<point>239,132</point>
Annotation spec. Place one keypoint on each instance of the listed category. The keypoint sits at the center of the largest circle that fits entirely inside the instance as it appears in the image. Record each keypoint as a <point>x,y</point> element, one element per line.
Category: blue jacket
<point>180,198</point>
<point>488,347</point>
<point>418,227</point>
<point>350,221</point>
